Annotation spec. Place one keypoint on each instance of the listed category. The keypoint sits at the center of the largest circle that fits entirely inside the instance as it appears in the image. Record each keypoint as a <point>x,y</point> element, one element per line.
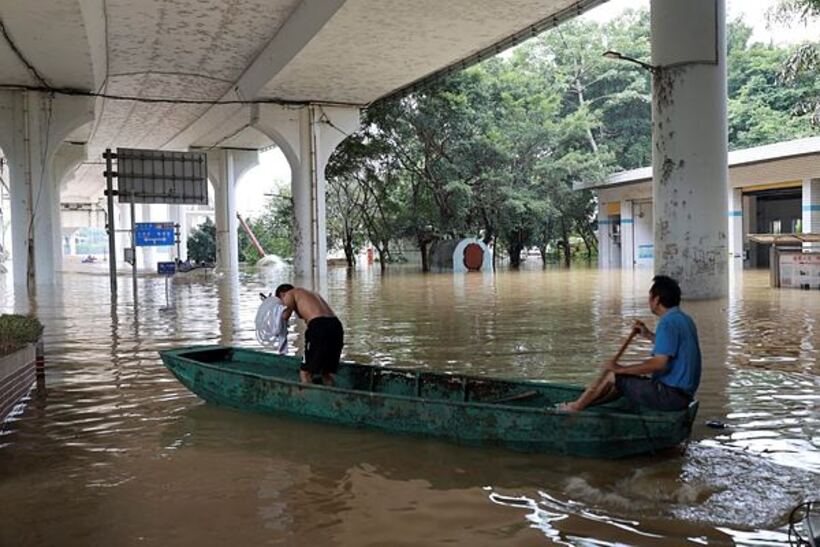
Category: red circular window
<point>473,257</point>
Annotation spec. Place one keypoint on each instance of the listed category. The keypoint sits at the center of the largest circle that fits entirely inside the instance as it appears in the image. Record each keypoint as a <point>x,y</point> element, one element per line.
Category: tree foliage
<point>202,242</point>
<point>493,151</point>
<point>273,229</point>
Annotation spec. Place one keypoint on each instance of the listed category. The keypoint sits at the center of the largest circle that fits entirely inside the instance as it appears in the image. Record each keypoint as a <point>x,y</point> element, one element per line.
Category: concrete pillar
<point>811,210</point>
<point>308,137</point>
<point>689,144</point>
<point>32,127</point>
<point>627,235</point>
<point>123,238</point>
<point>225,168</point>
<point>750,227</point>
<point>736,227</point>
<point>145,255</point>
<point>66,160</point>
<point>604,239</point>
<point>72,243</point>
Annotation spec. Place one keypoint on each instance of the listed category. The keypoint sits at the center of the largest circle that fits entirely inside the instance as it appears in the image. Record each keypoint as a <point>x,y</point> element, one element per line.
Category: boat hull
<point>462,409</point>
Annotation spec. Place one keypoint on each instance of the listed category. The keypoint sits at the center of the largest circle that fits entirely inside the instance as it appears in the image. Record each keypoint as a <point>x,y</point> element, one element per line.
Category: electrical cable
<point>70,91</point>
<point>795,539</point>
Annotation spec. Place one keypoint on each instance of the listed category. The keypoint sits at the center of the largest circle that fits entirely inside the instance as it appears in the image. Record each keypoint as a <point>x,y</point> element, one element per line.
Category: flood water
<point>112,450</point>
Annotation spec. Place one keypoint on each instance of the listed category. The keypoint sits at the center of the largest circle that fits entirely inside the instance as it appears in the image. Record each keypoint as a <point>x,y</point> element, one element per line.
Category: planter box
<point>17,375</point>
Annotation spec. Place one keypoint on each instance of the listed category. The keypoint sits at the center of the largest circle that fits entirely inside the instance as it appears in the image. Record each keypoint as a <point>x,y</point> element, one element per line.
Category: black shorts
<point>650,393</point>
<point>323,345</point>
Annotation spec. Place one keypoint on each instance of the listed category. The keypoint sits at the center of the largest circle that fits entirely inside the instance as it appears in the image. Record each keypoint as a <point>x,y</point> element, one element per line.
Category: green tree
<point>202,242</point>
<point>273,229</point>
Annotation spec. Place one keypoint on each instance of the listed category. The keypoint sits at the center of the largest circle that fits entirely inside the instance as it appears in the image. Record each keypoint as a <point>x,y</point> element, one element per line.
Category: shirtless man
<point>324,337</point>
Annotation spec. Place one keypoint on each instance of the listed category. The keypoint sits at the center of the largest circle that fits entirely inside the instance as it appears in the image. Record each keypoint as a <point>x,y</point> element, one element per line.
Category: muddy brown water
<point>112,450</point>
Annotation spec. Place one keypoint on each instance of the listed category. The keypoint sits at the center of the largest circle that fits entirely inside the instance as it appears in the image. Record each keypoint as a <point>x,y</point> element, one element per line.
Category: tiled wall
<point>17,375</point>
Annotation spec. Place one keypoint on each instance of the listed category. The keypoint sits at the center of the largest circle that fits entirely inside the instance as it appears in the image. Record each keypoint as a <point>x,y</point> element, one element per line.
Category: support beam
<point>627,235</point>
<point>301,27</point>
<point>811,210</point>
<point>32,127</point>
<point>308,137</point>
<point>736,227</point>
<point>689,144</point>
<point>225,168</point>
<point>66,160</point>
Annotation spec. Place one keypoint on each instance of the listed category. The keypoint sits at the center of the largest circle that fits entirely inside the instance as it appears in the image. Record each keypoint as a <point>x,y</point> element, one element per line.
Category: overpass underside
<point>234,79</point>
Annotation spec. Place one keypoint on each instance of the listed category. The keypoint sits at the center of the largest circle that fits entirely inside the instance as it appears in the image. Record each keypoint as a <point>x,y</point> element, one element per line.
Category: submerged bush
<point>16,331</point>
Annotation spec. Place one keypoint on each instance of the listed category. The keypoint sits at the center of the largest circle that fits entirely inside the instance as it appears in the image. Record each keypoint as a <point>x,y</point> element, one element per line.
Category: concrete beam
<point>301,27</point>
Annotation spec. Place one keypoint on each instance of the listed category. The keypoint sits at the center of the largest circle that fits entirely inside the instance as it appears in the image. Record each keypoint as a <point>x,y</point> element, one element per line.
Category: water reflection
<point>143,461</point>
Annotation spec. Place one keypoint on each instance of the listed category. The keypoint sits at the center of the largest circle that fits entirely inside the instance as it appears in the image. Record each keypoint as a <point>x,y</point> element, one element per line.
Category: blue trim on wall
<point>735,213</point>
<point>815,207</point>
<point>626,221</point>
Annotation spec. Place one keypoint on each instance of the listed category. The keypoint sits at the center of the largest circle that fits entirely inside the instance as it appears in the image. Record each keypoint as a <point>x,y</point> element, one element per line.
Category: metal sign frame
<point>150,176</point>
<point>158,176</point>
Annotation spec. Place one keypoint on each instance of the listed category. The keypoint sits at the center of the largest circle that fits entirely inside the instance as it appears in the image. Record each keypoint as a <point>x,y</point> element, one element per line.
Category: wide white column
<point>32,127</point>
<point>65,162</point>
<point>225,168</point>
<point>627,235</point>
<point>308,138</point>
<point>145,255</point>
<point>811,210</point>
<point>689,144</point>
<point>736,227</point>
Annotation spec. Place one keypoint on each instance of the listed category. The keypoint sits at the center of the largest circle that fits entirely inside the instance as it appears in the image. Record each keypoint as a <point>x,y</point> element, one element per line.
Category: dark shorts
<point>323,345</point>
<point>650,393</point>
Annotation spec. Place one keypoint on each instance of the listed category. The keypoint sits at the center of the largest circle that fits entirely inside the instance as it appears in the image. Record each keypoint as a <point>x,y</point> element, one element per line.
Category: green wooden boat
<point>466,409</point>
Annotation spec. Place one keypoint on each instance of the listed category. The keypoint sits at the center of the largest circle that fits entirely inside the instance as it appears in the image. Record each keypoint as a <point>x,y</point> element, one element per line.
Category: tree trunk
<point>384,255</point>
<point>515,254</point>
<point>542,250</point>
<point>566,245</point>
<point>350,255</point>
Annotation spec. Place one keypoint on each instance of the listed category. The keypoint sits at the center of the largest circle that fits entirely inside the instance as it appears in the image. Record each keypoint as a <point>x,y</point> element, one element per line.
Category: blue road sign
<point>166,268</point>
<point>154,234</point>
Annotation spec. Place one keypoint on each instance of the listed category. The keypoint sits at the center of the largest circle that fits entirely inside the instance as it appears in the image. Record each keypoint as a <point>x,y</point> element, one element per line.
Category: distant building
<point>772,189</point>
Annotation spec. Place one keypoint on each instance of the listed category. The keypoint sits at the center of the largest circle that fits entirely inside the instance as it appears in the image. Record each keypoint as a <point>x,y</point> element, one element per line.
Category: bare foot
<point>570,408</point>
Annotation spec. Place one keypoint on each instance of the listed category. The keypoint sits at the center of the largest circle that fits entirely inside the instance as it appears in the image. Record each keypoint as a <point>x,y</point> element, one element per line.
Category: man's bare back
<point>324,336</point>
<point>308,305</point>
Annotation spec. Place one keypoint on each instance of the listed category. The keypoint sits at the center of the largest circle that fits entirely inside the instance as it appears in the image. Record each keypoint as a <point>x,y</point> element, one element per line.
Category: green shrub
<point>18,330</point>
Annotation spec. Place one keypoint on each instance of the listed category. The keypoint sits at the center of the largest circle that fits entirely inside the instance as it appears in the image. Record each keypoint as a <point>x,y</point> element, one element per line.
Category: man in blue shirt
<point>674,366</point>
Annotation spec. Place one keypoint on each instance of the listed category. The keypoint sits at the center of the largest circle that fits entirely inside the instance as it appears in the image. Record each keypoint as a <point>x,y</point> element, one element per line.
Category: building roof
<point>737,158</point>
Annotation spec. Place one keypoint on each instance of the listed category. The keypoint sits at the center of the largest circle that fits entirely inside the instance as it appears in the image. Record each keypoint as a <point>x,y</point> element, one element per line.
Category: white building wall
<point>811,210</point>
<point>736,233</point>
<point>643,238</point>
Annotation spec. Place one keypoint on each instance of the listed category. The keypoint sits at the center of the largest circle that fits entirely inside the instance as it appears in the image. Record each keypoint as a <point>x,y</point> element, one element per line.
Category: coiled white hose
<point>271,328</point>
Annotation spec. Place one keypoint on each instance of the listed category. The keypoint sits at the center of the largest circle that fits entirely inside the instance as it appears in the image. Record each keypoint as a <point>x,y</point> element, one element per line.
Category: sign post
<point>151,176</point>
<point>167,270</point>
<point>110,225</point>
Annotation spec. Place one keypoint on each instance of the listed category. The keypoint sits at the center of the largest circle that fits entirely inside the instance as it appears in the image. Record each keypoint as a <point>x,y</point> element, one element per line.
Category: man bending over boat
<point>324,337</point>
<point>674,365</point>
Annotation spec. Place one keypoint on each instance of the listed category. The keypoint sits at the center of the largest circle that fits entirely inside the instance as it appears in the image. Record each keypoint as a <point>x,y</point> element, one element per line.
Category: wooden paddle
<point>626,343</point>
<point>617,356</point>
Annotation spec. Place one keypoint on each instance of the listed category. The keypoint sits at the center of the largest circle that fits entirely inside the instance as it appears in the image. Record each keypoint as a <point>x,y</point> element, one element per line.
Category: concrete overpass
<point>232,77</point>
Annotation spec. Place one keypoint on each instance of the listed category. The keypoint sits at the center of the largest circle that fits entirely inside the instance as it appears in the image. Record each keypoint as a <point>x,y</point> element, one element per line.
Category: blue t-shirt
<point>677,338</point>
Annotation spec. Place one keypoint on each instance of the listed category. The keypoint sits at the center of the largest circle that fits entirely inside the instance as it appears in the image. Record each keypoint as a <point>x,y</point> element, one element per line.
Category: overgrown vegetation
<point>202,242</point>
<point>493,151</point>
<point>17,331</point>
